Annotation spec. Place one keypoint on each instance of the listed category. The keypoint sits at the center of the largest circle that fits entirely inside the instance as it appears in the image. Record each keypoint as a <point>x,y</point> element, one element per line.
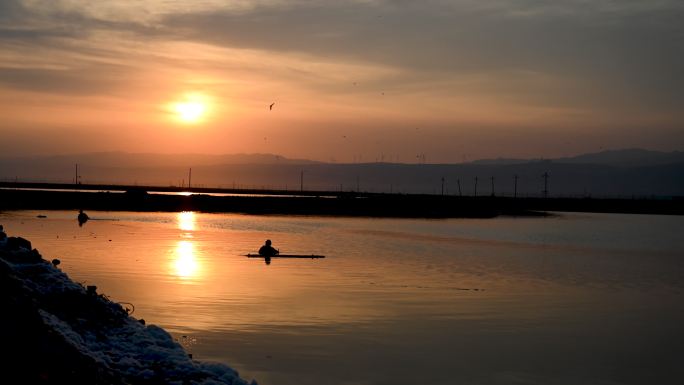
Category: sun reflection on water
<point>185,263</point>
<point>186,221</point>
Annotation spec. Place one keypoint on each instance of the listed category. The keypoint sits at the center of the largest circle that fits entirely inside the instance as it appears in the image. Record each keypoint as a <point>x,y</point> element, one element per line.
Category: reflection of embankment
<point>408,206</point>
<point>58,332</point>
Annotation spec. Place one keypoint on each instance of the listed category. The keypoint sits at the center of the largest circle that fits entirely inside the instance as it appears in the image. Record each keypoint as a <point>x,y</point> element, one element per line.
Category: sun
<point>189,112</point>
<point>192,108</point>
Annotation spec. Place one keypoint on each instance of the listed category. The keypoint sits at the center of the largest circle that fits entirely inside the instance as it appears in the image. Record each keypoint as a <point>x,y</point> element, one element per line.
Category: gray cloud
<point>46,21</point>
<point>629,47</point>
<point>19,22</point>
<point>83,81</point>
<point>11,10</point>
<point>50,52</point>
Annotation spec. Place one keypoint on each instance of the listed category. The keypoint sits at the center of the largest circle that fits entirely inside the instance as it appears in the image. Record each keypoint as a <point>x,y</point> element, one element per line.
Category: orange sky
<point>354,80</point>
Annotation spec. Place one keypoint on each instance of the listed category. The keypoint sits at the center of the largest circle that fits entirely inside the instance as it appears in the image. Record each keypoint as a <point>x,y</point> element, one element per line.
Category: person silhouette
<point>82,217</point>
<point>267,250</point>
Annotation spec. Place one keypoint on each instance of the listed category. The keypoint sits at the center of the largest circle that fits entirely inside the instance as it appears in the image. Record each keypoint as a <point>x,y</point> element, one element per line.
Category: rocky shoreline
<point>60,332</point>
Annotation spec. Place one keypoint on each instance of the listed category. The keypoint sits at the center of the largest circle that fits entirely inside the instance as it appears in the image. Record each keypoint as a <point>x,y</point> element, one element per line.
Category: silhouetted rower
<point>82,217</point>
<point>267,250</point>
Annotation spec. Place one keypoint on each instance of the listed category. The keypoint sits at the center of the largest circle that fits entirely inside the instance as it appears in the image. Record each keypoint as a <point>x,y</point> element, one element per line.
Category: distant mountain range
<point>125,159</point>
<point>631,172</point>
<point>628,157</point>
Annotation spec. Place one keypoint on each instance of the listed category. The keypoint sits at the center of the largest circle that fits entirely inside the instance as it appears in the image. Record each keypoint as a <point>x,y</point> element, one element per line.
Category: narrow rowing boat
<point>312,256</point>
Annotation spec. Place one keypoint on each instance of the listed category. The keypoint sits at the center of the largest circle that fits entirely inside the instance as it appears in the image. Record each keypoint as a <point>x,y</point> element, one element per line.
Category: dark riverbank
<point>129,198</point>
<point>56,331</point>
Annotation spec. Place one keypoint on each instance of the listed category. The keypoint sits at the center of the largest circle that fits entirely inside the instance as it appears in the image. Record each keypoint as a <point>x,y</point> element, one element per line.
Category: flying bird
<point>271,106</point>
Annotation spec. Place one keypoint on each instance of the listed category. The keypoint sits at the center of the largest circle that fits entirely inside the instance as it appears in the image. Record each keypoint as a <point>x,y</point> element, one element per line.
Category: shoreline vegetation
<point>32,196</point>
<point>59,332</point>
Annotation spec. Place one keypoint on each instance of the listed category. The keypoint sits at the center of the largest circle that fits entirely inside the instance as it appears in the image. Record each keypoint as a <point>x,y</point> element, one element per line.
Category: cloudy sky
<point>354,80</point>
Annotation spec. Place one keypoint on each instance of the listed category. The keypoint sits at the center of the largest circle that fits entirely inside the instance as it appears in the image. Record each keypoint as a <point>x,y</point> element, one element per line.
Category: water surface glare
<point>570,299</point>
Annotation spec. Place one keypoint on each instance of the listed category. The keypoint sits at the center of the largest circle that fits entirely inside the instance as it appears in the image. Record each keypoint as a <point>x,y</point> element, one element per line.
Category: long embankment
<point>129,198</point>
<point>55,331</point>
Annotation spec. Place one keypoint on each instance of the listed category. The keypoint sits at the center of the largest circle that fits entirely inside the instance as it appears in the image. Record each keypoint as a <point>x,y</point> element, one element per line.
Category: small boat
<point>312,256</point>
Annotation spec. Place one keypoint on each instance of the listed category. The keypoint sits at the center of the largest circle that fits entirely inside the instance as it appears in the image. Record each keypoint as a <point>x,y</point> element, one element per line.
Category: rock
<point>15,243</point>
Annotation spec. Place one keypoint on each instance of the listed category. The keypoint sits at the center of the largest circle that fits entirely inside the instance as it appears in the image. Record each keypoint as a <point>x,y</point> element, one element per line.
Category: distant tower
<point>458,181</point>
<point>492,186</point>
<point>546,185</point>
<point>475,186</point>
<point>442,185</point>
<point>190,177</point>
<point>515,186</point>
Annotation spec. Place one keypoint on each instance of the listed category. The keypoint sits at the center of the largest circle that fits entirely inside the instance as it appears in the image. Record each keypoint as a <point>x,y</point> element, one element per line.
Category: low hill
<point>611,173</point>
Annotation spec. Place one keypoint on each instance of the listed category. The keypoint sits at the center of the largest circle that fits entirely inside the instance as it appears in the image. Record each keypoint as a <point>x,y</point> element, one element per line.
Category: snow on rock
<point>99,330</point>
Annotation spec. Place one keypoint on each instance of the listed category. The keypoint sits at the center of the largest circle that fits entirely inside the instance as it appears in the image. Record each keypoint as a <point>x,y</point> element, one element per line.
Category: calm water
<point>573,299</point>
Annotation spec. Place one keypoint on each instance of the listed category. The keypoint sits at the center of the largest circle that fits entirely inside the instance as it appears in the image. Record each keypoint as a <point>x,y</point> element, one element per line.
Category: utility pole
<point>492,186</point>
<point>301,181</point>
<point>76,177</point>
<point>442,186</point>
<point>475,186</point>
<point>189,177</point>
<point>515,186</point>
<point>357,184</point>
<point>546,184</point>
<point>459,187</point>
